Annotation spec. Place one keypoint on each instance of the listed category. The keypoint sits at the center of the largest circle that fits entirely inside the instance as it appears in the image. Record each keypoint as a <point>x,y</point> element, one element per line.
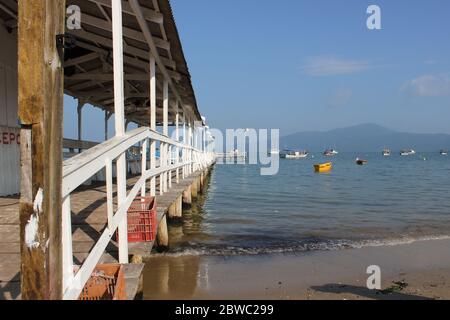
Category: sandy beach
<point>420,270</point>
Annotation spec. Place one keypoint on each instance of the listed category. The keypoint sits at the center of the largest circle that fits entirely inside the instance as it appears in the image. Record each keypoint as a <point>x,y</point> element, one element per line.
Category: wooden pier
<point>88,221</point>
<point>125,58</point>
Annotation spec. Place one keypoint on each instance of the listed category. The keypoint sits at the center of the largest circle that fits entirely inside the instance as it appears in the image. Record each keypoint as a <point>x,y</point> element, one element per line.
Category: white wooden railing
<point>81,167</point>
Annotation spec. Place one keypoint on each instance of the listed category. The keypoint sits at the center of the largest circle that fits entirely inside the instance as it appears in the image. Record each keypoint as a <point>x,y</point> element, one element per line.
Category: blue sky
<point>314,65</point>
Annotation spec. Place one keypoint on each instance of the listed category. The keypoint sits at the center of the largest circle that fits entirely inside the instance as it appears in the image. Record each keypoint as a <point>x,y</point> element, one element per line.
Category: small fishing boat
<point>386,152</point>
<point>444,152</point>
<point>323,167</point>
<point>289,154</point>
<point>361,162</point>
<point>330,152</point>
<point>408,152</point>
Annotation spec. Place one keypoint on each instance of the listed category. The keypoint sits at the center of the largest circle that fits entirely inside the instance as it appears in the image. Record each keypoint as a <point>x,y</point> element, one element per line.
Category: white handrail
<point>83,166</point>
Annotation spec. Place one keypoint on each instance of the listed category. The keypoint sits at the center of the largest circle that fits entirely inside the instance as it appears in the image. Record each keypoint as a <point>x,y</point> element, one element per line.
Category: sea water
<point>391,200</point>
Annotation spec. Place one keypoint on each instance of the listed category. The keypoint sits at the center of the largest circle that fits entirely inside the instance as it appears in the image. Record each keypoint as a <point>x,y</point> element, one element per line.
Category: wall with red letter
<point>9,124</point>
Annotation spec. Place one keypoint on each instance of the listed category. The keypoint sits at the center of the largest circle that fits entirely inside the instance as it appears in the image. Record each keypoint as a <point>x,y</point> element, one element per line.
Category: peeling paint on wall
<point>37,204</point>
<point>31,229</point>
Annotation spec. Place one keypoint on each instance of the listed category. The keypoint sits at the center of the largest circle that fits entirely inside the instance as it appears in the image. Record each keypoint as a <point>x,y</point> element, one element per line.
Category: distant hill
<point>365,138</point>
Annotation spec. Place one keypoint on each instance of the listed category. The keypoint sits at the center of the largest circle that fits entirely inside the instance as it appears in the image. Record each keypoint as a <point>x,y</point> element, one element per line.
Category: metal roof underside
<point>89,66</point>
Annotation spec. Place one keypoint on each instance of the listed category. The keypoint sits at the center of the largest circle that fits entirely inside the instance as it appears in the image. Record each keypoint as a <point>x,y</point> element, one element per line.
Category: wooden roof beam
<point>82,59</point>
<point>137,9</point>
<point>127,32</point>
<point>108,43</point>
<point>107,77</point>
<point>149,14</point>
<point>8,11</point>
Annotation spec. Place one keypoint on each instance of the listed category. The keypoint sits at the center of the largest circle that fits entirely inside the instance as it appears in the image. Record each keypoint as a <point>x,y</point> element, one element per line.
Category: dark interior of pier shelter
<point>88,77</point>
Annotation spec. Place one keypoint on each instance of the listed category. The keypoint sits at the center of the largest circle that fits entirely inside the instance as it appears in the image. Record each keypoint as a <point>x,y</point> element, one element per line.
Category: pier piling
<point>162,236</point>
<point>187,196</point>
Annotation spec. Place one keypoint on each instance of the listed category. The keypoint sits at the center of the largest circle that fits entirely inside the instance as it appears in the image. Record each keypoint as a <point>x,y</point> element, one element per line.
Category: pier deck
<point>89,218</point>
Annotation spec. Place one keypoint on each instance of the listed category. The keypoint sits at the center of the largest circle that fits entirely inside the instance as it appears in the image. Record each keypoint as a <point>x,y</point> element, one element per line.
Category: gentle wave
<point>327,245</point>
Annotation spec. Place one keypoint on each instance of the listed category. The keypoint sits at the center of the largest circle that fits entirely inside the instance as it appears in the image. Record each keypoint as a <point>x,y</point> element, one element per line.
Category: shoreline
<point>418,270</point>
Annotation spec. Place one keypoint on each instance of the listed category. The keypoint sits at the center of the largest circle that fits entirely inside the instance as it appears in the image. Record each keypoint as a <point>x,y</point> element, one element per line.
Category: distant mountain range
<point>365,138</point>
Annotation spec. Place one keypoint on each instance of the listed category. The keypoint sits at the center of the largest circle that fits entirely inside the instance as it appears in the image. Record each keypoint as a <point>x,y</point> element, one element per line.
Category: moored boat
<point>290,154</point>
<point>386,152</point>
<point>323,167</point>
<point>330,152</point>
<point>444,152</point>
<point>361,162</point>
<point>407,152</point>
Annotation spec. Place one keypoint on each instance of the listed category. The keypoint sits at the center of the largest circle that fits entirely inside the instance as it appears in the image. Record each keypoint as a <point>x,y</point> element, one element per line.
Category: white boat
<point>408,152</point>
<point>288,154</point>
<point>330,152</point>
<point>386,152</point>
<point>274,152</point>
<point>444,152</point>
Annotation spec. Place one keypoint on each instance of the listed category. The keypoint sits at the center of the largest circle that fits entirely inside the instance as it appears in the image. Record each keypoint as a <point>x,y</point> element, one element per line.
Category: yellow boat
<point>323,167</point>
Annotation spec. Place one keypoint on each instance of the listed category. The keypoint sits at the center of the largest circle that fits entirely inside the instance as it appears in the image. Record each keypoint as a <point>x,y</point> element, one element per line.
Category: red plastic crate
<point>107,282</point>
<point>142,220</point>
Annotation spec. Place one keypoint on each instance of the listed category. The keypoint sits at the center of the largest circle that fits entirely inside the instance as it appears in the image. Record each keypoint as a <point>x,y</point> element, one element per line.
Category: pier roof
<point>89,65</point>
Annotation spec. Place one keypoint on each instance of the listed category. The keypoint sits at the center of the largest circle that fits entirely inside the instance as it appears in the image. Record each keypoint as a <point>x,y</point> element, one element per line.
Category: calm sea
<point>391,200</point>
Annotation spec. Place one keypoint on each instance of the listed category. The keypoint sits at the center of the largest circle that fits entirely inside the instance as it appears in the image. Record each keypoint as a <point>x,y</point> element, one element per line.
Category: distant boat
<point>408,152</point>
<point>330,152</point>
<point>444,152</point>
<point>323,167</point>
<point>290,154</point>
<point>274,152</point>
<point>386,152</point>
<point>361,162</point>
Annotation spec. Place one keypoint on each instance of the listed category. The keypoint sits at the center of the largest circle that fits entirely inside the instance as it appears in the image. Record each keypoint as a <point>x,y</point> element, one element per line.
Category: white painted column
<point>144,165</point>
<point>203,144</point>
<point>152,122</point>
<point>80,121</point>
<point>177,150</point>
<point>188,143</point>
<point>184,150</point>
<point>191,144</point>
<point>166,131</point>
<point>119,111</point>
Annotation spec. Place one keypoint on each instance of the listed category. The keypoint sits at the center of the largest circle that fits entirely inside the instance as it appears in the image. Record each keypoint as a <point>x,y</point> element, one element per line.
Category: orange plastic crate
<point>107,282</point>
<point>142,220</point>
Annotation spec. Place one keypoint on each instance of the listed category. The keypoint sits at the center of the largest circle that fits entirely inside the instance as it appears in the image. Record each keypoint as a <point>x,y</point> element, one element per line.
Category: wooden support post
<point>152,122</point>
<point>41,113</point>
<point>144,166</point>
<point>162,164</point>
<point>119,113</point>
<point>165,131</point>
<point>185,143</point>
<point>189,140</point>
<point>177,150</point>
<point>162,236</point>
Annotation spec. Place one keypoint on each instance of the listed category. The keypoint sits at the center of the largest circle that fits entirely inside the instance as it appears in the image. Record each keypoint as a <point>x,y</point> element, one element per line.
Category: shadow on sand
<point>364,292</point>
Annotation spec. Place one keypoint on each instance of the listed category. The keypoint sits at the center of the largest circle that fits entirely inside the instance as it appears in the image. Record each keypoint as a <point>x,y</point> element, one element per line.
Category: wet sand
<point>420,270</point>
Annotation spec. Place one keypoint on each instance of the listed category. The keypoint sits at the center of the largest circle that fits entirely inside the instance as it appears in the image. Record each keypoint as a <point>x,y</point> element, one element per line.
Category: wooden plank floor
<point>89,218</point>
